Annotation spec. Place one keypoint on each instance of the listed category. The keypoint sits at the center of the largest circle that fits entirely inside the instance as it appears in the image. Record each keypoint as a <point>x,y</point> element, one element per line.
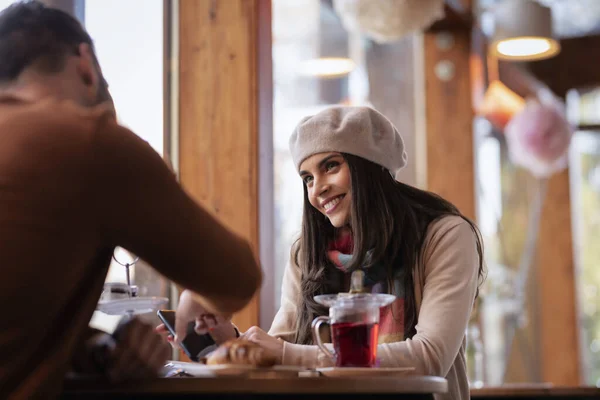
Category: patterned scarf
<point>391,318</point>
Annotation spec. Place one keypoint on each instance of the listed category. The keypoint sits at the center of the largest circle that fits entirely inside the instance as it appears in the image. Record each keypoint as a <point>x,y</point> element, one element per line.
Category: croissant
<point>240,352</point>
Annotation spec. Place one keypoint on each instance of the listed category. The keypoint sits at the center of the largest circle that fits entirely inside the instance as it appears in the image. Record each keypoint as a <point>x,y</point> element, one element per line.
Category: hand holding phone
<point>193,343</point>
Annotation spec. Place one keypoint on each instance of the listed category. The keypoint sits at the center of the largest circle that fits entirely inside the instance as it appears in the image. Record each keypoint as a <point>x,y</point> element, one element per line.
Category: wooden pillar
<point>558,320</point>
<point>219,113</point>
<point>449,116</point>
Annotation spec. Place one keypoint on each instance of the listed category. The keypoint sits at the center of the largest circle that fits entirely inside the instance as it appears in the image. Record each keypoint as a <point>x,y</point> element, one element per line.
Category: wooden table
<point>405,387</point>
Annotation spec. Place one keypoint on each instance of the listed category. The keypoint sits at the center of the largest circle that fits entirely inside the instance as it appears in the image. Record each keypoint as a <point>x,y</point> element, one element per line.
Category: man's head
<point>46,52</point>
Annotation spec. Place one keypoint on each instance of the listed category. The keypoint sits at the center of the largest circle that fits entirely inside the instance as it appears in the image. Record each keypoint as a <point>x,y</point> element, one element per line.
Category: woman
<point>409,242</point>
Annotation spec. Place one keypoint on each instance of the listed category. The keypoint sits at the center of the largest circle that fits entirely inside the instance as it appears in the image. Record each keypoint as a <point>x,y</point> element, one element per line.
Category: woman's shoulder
<point>449,229</point>
<point>446,223</point>
<point>450,245</point>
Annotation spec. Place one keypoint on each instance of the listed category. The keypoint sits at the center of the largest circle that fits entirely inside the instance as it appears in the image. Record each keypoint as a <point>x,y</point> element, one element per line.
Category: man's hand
<point>134,351</point>
<point>139,352</point>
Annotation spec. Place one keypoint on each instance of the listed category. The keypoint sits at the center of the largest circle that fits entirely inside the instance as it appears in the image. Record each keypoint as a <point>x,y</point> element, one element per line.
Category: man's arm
<point>83,361</point>
<point>134,350</point>
<point>139,205</point>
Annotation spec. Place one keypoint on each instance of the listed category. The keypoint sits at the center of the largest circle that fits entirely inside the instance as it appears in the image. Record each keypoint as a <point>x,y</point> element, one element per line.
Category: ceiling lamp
<point>327,67</point>
<point>523,31</point>
<point>386,21</point>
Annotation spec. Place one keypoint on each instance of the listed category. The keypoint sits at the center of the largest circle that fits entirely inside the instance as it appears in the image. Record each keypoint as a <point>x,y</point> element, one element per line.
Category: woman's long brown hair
<point>390,219</point>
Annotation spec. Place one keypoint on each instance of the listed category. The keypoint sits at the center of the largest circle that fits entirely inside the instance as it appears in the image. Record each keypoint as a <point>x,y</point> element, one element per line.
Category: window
<point>128,36</point>
<point>585,198</point>
<point>505,334</point>
<point>5,3</point>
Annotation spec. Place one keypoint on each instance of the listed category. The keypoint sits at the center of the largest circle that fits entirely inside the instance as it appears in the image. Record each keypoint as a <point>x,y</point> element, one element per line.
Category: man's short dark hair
<point>31,33</point>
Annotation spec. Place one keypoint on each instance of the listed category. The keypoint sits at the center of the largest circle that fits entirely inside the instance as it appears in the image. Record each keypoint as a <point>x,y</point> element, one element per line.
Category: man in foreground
<point>73,185</point>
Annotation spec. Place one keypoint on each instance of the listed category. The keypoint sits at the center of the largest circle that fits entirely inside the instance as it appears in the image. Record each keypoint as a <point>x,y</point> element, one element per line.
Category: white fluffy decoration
<point>388,20</point>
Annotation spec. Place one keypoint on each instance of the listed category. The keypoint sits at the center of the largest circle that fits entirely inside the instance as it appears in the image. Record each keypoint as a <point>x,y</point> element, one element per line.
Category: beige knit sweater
<point>444,290</point>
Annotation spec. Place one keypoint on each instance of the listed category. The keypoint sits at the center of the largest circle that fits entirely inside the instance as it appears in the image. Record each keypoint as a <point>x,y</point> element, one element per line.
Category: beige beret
<point>360,131</point>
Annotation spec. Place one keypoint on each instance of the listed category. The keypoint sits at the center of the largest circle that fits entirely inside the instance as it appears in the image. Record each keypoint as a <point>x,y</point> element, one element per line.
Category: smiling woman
<point>407,242</point>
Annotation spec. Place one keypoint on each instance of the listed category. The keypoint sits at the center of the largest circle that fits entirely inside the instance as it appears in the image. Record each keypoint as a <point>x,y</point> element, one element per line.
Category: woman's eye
<point>308,179</point>
<point>331,165</point>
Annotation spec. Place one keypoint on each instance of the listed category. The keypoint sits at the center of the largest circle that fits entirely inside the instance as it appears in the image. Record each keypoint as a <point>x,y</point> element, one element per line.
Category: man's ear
<point>87,69</point>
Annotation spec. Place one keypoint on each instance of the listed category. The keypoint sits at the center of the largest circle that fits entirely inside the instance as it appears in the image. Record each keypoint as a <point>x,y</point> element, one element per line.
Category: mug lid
<point>355,300</point>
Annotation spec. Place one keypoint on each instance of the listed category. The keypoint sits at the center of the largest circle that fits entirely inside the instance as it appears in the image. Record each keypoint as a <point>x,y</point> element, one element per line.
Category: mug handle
<point>316,324</point>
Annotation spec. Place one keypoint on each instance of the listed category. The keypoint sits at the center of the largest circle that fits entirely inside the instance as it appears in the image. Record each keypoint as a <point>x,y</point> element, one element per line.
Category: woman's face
<point>328,182</point>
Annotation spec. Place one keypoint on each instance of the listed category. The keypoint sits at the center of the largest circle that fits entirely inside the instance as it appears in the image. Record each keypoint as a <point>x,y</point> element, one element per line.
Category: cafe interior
<point>475,87</point>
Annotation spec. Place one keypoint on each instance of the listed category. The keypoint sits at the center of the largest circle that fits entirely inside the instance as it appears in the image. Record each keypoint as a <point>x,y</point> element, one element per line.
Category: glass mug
<point>354,329</point>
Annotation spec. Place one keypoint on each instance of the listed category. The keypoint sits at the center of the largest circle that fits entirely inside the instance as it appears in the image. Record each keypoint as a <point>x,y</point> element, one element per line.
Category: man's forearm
<point>235,278</point>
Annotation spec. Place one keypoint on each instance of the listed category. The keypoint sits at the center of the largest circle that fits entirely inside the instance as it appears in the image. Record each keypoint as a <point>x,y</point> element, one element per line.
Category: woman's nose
<point>321,186</point>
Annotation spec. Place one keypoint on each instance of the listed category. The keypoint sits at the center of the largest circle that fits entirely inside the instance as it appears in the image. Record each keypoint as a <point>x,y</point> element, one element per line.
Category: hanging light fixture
<point>500,104</point>
<point>523,31</point>
<point>326,67</point>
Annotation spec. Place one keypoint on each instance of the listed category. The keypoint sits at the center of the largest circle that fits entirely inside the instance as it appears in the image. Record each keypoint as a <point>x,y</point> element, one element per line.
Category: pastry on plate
<point>240,352</point>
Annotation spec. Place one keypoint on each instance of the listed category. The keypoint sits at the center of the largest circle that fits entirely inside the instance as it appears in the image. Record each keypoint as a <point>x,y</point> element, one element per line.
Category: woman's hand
<point>272,345</point>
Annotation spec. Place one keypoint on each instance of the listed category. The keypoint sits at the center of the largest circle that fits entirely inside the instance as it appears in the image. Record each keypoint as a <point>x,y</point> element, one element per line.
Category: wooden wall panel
<point>218,117</point>
<point>449,118</point>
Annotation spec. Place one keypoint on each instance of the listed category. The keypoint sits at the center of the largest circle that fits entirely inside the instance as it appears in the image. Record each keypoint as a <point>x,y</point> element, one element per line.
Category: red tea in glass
<point>355,343</point>
<point>354,325</point>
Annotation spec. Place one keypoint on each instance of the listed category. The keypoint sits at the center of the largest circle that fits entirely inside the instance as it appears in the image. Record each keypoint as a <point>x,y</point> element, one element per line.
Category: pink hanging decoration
<point>538,136</point>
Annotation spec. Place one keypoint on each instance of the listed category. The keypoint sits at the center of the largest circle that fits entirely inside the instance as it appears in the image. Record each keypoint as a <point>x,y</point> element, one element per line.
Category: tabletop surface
<point>403,384</point>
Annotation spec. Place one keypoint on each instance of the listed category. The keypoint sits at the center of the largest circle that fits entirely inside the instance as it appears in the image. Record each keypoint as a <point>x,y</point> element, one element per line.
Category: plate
<point>203,370</point>
<point>339,372</point>
<point>133,305</point>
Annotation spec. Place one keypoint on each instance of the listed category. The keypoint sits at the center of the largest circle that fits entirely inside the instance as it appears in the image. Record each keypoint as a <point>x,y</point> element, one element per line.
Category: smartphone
<point>193,343</point>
